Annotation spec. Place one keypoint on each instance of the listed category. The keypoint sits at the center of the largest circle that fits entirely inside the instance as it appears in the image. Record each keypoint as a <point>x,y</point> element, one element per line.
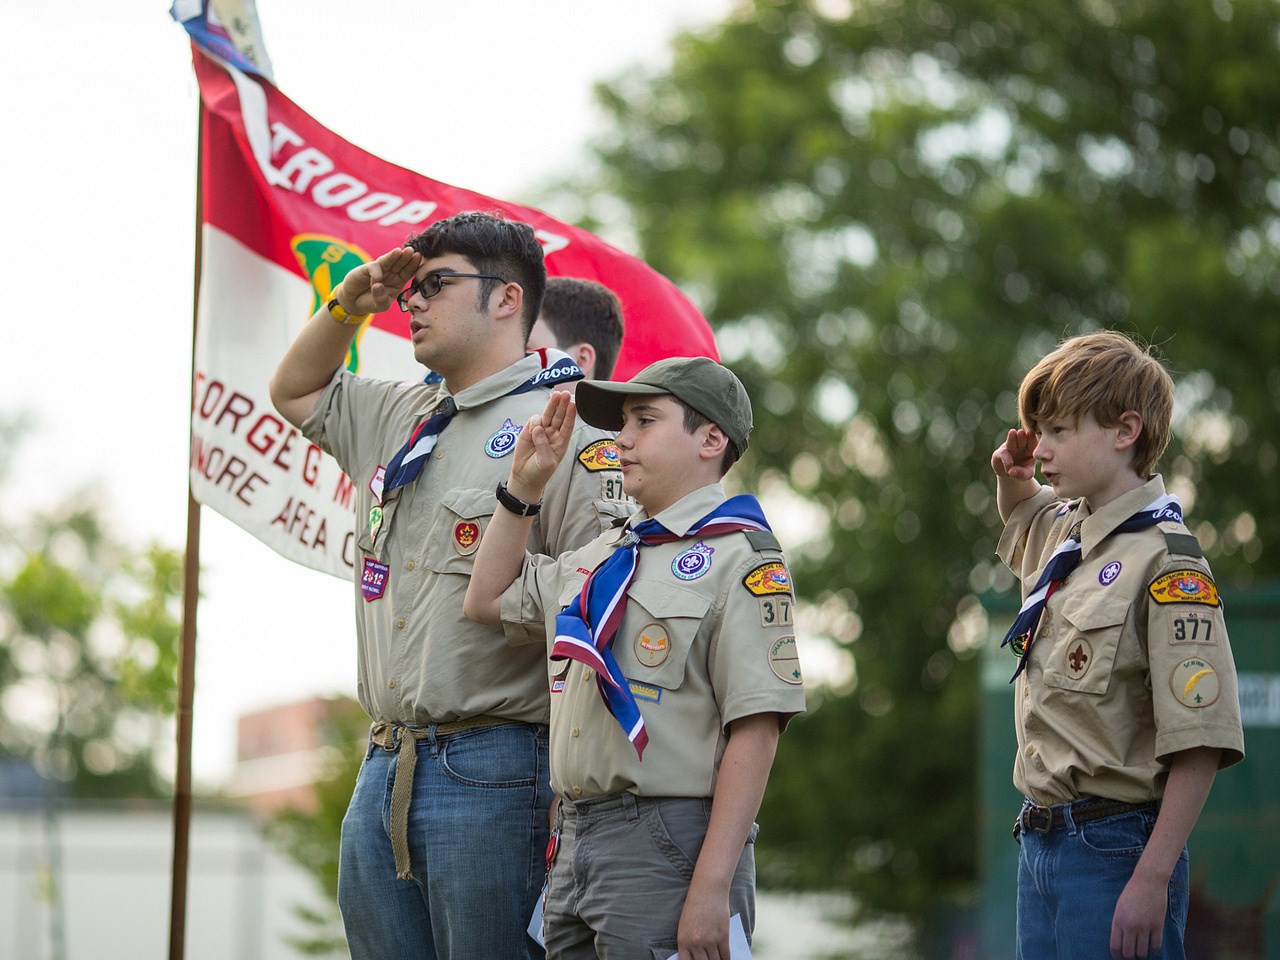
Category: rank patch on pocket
<point>1079,659</point>
<point>1184,586</point>
<point>652,646</point>
<point>466,537</point>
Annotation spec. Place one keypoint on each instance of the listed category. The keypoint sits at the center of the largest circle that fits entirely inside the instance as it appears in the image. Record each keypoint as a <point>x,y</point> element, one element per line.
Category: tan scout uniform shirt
<point>420,659</point>
<point>699,653</point>
<point>1131,662</point>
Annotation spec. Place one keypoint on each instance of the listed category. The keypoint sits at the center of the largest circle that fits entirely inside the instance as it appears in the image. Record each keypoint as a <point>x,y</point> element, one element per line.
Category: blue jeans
<point>1070,879</point>
<point>477,842</point>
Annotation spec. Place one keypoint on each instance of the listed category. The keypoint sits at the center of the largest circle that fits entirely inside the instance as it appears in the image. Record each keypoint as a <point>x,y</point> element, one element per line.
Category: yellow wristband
<point>338,313</point>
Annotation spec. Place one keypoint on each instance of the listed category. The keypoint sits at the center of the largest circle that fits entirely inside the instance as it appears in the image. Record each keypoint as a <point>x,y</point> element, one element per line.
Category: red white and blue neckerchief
<point>587,638</point>
<point>1062,562</point>
<point>408,461</point>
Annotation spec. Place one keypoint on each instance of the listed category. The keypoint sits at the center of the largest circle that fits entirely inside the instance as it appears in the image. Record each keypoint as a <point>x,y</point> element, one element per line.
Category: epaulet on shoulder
<point>1183,544</point>
<point>762,540</point>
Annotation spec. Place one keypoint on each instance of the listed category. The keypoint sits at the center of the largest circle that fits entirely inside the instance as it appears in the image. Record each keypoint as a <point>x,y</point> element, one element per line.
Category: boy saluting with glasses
<point>457,760</point>
<point>673,666</point>
<point>1125,696</point>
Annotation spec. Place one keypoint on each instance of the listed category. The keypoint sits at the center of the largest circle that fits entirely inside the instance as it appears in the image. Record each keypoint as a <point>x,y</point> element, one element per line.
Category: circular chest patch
<point>466,537</point>
<point>1109,573</point>
<point>1195,683</point>
<point>504,441</point>
<point>1079,659</point>
<point>694,562</point>
<point>784,661</point>
<point>652,646</point>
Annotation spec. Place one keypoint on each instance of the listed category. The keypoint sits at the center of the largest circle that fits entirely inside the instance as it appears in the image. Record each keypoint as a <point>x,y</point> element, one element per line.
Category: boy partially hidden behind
<point>1125,697</point>
<point>681,640</point>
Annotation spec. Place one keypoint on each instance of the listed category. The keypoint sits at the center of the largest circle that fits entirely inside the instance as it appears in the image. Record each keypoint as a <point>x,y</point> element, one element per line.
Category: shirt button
<point>391,684</point>
<point>577,791</point>
<point>410,565</point>
<point>586,674</point>
<point>575,731</point>
<point>400,624</point>
<point>439,454</point>
<point>1030,751</point>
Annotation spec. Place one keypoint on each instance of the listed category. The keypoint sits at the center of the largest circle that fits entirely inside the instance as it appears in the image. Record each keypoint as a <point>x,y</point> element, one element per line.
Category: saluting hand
<point>541,446</point>
<point>371,287</point>
<point>1015,457</point>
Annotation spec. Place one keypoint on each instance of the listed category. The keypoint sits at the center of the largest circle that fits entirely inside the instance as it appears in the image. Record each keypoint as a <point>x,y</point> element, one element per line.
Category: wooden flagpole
<point>190,603</point>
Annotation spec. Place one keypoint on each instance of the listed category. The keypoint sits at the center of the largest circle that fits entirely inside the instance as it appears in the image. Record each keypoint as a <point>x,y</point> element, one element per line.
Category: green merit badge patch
<point>1184,586</point>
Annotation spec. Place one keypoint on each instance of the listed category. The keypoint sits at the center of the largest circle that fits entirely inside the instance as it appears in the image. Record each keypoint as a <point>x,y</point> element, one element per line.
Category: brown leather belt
<point>1034,817</point>
<point>396,736</point>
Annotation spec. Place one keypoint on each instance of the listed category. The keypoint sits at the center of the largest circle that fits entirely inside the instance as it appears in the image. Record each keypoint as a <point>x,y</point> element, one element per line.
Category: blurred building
<point>281,751</point>
<point>95,877</point>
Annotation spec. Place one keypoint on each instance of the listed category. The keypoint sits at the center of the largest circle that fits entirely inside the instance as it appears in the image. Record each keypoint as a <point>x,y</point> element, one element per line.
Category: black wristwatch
<point>515,504</point>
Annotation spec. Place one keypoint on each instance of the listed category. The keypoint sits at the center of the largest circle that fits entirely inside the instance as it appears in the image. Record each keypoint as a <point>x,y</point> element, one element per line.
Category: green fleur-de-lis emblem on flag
<point>326,260</point>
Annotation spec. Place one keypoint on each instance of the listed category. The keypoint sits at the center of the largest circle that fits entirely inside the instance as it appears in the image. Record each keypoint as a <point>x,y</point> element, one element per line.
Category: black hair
<point>496,245</point>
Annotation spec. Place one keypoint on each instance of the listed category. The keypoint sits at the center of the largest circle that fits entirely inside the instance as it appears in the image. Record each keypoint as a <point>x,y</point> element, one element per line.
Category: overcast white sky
<point>97,208</point>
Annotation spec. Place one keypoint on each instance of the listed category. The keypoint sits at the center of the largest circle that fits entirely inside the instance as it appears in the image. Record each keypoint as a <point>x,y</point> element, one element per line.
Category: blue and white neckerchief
<point>408,461</point>
<point>1065,559</point>
<point>586,627</point>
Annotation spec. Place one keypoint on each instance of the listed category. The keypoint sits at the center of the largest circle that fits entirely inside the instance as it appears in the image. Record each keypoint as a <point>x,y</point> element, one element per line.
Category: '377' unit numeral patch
<point>776,611</point>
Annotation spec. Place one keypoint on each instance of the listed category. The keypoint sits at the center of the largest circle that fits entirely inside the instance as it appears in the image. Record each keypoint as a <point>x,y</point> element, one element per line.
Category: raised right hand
<point>1015,458</point>
<point>541,446</point>
<point>371,287</point>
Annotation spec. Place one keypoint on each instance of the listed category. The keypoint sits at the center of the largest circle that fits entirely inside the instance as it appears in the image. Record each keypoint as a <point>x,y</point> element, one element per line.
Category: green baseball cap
<point>707,386</point>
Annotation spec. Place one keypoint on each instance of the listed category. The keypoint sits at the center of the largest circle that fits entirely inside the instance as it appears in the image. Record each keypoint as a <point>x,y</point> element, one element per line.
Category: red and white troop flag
<point>288,208</point>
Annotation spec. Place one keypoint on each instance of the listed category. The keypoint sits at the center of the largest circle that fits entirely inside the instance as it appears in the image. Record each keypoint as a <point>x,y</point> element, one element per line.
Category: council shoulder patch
<point>1195,683</point>
<point>1184,586</point>
<point>768,578</point>
<point>601,455</point>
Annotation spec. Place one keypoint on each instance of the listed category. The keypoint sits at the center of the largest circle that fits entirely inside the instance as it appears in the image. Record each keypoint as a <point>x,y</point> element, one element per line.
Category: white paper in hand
<point>739,949</point>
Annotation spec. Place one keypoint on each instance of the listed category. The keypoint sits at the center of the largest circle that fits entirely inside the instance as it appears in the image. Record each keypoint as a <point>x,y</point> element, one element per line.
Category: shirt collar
<point>497,385</point>
<point>1096,527</point>
<point>686,511</point>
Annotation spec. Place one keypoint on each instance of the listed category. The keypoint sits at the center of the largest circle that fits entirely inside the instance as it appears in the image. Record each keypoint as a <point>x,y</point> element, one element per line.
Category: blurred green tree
<point>889,210</point>
<point>88,649</point>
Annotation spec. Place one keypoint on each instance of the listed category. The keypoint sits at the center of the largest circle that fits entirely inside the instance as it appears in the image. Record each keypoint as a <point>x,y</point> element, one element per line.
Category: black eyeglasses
<point>433,283</point>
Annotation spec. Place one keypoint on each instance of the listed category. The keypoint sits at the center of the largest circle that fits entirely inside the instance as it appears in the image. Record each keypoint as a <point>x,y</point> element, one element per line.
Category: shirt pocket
<point>663,621</point>
<point>1084,652</point>
<point>456,529</point>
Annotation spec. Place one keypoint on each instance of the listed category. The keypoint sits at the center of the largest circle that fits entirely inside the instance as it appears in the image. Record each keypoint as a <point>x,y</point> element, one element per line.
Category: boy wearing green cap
<point>673,665</point>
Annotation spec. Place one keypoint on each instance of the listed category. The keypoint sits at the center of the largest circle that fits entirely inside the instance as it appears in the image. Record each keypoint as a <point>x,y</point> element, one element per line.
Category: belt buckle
<point>1037,818</point>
